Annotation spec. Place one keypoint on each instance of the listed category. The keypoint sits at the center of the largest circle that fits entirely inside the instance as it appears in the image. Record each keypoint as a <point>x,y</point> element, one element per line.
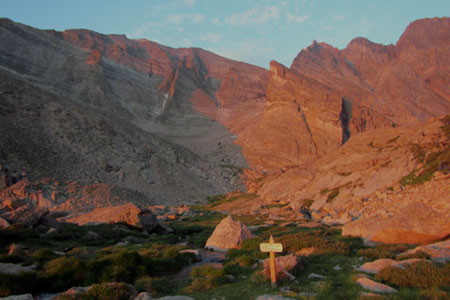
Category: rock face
<point>229,234</point>
<point>97,120</point>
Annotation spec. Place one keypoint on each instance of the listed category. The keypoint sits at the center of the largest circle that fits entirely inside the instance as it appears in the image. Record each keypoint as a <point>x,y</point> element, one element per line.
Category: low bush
<point>153,286</point>
<point>65,272</point>
<point>206,278</point>
<point>383,251</point>
<point>110,291</point>
<point>42,255</point>
<point>323,244</point>
<point>417,275</point>
<point>17,284</point>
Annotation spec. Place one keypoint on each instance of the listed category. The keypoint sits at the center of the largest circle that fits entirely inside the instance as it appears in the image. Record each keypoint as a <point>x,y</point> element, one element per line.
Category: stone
<point>191,251</point>
<point>316,276</point>
<point>228,234</point>
<point>374,286</point>
<point>15,269</point>
<point>307,294</point>
<point>4,223</point>
<point>78,290</point>
<point>380,264</point>
<point>284,264</point>
<point>438,252</point>
<point>305,251</point>
<point>128,214</point>
<point>90,235</point>
<point>143,296</point>
<point>15,249</point>
<point>19,297</point>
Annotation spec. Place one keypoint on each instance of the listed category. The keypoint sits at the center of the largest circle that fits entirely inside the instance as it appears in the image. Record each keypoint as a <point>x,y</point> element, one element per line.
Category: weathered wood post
<point>272,247</point>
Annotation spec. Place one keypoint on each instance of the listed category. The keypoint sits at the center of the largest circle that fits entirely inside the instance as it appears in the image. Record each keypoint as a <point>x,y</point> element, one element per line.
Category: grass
<point>149,261</point>
<point>384,251</point>
<point>423,275</point>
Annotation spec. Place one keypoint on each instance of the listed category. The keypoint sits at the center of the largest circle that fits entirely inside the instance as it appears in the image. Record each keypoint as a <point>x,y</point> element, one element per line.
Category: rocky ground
<point>123,261</point>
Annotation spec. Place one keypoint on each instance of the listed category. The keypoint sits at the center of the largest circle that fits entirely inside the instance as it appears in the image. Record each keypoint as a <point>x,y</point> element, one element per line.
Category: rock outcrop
<point>228,234</point>
<point>128,214</point>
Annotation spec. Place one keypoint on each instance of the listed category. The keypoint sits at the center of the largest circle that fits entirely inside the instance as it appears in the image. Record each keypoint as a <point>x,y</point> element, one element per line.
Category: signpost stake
<point>272,247</point>
<point>273,267</point>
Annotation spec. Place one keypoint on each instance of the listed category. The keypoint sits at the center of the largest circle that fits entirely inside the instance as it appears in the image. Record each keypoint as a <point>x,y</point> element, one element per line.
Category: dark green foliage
<point>42,255</point>
<point>13,259</point>
<point>323,244</point>
<point>153,286</point>
<point>419,275</point>
<point>206,278</point>
<point>17,284</point>
<point>115,291</point>
<point>65,272</point>
<point>383,251</point>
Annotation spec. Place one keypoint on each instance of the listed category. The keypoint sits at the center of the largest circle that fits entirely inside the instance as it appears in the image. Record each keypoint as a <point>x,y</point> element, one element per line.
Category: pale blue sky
<point>251,31</point>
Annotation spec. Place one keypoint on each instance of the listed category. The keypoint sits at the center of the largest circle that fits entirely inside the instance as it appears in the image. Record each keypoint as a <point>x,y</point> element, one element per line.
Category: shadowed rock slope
<point>153,124</point>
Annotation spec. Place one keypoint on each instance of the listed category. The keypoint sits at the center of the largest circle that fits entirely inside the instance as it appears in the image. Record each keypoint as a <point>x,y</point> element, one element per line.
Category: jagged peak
<point>425,32</point>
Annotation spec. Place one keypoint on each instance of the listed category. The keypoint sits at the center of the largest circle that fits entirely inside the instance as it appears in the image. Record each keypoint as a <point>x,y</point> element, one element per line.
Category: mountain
<point>91,120</point>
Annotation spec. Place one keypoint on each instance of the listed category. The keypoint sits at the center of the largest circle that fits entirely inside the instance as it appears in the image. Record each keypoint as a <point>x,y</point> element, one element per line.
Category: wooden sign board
<point>271,247</point>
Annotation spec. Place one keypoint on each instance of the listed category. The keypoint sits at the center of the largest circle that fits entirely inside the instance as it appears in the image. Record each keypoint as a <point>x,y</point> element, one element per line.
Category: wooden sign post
<point>272,247</point>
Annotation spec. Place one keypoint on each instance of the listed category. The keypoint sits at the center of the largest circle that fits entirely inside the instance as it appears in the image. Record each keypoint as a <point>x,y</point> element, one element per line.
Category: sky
<point>252,31</point>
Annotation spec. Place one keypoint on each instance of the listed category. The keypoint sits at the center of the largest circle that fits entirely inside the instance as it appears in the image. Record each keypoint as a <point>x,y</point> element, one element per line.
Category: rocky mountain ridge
<point>163,125</point>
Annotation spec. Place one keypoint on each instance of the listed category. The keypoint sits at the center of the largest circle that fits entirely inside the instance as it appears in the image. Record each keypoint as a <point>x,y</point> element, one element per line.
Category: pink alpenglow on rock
<point>228,234</point>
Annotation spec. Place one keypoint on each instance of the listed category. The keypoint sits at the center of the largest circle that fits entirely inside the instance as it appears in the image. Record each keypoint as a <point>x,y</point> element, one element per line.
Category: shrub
<point>383,251</point>
<point>110,291</point>
<point>419,275</point>
<point>17,284</point>
<point>206,278</point>
<point>153,286</point>
<point>65,272</point>
<point>42,255</point>
<point>324,245</point>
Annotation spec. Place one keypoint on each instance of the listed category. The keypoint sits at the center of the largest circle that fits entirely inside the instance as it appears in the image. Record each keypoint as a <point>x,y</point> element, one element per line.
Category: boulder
<point>380,264</point>
<point>4,223</point>
<point>15,269</point>
<point>27,214</point>
<point>438,252</point>
<point>19,297</point>
<point>128,214</point>
<point>284,264</point>
<point>305,251</point>
<point>15,249</point>
<point>143,296</point>
<point>228,234</point>
<point>374,286</point>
